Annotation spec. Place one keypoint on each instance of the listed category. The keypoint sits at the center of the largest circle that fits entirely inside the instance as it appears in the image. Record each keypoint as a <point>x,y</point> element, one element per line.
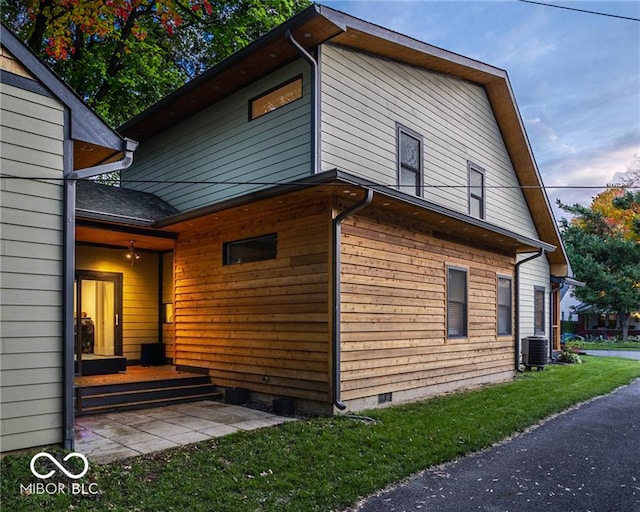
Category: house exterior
<point>337,214</point>
<point>47,134</point>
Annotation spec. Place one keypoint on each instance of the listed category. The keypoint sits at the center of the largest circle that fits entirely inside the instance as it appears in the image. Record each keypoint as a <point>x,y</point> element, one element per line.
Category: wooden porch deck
<point>134,374</point>
<point>141,387</point>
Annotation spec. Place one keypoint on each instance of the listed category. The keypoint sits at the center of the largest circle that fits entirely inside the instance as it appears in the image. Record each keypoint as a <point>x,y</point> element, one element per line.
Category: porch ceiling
<point>117,236</point>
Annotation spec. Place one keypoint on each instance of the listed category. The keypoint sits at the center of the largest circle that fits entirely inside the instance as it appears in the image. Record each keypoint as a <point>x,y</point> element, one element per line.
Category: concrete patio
<point>108,437</point>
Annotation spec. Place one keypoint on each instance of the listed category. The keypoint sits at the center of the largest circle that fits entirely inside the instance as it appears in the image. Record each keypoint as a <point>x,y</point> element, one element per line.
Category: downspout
<point>315,100</point>
<point>517,304</point>
<point>335,276</point>
<point>69,265</point>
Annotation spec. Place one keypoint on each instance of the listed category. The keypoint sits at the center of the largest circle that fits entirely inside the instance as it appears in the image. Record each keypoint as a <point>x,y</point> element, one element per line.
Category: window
<point>456,302</point>
<point>476,191</point>
<point>167,313</point>
<point>538,309</point>
<point>409,161</point>
<point>504,306</point>
<point>250,249</point>
<point>275,98</point>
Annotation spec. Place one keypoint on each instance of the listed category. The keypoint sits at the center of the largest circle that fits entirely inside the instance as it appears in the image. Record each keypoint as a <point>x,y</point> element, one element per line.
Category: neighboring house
<point>47,135</point>
<point>592,323</point>
<point>337,214</point>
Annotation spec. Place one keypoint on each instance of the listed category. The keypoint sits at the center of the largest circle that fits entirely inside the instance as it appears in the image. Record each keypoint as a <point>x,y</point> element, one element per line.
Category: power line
<point>581,10</point>
<point>308,184</point>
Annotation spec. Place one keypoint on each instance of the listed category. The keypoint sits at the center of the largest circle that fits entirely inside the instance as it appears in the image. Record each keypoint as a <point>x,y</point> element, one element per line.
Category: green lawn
<point>325,464</point>
<point>605,345</point>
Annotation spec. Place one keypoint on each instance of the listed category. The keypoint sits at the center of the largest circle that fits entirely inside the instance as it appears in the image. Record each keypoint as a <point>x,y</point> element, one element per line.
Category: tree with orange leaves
<point>123,55</point>
<point>603,244</point>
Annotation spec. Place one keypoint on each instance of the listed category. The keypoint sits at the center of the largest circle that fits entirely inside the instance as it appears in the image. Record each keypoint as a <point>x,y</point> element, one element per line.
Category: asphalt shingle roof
<point>94,199</point>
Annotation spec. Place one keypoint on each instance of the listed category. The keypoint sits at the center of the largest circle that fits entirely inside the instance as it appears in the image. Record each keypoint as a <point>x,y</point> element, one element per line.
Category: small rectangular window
<point>476,191</point>
<point>167,313</point>
<point>273,99</point>
<point>505,312</point>
<point>250,249</point>
<point>456,302</point>
<point>409,161</point>
<point>538,310</point>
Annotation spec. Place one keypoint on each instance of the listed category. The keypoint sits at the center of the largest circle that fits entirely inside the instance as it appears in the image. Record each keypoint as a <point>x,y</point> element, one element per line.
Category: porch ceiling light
<point>132,255</point>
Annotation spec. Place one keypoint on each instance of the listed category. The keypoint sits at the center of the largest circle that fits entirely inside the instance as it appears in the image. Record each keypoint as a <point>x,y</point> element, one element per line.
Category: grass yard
<point>325,464</point>
<point>605,345</point>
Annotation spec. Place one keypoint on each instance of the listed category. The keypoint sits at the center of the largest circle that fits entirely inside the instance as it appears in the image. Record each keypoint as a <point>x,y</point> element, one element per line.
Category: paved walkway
<point>108,437</point>
<point>627,354</point>
<point>584,460</point>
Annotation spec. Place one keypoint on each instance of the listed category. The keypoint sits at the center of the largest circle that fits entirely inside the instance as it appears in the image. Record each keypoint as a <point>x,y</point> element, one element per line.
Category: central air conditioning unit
<point>535,352</point>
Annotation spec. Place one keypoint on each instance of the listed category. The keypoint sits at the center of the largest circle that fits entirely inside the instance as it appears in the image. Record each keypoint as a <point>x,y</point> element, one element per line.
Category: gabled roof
<point>95,142</point>
<point>106,203</point>
<point>319,24</point>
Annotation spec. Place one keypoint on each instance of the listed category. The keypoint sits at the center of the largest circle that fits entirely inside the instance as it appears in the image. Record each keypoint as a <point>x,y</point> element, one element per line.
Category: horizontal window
<point>250,249</point>
<point>275,98</point>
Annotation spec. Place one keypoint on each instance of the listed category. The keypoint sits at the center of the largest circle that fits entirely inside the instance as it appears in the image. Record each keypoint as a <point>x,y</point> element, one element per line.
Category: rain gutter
<point>69,230</point>
<point>541,252</point>
<point>335,276</point>
<point>315,100</point>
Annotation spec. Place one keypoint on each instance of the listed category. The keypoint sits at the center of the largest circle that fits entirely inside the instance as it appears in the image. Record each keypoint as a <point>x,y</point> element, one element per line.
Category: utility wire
<point>308,184</point>
<point>580,10</point>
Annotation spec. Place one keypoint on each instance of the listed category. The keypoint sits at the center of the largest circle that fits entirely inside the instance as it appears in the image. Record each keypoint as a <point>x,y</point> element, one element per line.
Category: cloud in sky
<point>576,76</point>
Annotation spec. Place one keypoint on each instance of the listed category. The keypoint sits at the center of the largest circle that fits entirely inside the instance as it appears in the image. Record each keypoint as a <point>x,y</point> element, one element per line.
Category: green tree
<point>122,56</point>
<point>604,255</point>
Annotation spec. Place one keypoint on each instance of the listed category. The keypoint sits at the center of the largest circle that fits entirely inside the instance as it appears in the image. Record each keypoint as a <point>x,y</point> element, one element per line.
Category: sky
<point>575,76</point>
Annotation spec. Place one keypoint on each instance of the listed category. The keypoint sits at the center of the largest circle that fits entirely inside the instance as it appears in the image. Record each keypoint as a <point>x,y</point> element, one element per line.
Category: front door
<point>98,317</point>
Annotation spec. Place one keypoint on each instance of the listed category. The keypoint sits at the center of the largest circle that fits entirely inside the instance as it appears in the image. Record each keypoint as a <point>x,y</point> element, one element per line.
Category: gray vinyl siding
<point>221,145</point>
<point>31,309</point>
<point>363,97</point>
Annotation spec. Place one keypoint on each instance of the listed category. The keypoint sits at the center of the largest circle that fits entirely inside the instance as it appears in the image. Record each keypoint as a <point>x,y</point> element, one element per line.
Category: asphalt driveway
<point>584,460</point>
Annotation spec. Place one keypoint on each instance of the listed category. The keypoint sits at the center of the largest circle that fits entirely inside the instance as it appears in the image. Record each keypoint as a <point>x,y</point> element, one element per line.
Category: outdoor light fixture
<point>132,255</point>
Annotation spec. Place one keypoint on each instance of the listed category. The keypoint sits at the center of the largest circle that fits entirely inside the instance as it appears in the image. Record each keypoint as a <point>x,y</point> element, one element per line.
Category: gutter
<point>315,100</point>
<point>128,149</point>
<point>541,252</point>
<point>69,264</point>
<point>335,276</point>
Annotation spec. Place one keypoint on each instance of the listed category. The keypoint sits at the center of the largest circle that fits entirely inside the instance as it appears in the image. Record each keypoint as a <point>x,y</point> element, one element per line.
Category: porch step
<point>136,395</point>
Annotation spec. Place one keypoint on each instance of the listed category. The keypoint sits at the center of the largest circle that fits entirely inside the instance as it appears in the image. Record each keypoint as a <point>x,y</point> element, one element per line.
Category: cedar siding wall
<point>260,325</point>
<point>139,292</point>
<point>364,96</point>
<point>31,267</point>
<point>394,314</point>
<point>220,144</point>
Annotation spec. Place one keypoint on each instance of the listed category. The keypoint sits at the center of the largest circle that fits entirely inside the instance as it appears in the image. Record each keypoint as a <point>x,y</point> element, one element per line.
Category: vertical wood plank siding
<point>261,325</point>
<point>31,221</point>
<point>394,312</point>
<point>139,292</point>
<point>221,145</point>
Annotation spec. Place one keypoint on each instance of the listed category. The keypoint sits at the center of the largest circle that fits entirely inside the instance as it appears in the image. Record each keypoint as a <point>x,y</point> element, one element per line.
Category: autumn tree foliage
<point>603,244</point>
<point>123,55</point>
